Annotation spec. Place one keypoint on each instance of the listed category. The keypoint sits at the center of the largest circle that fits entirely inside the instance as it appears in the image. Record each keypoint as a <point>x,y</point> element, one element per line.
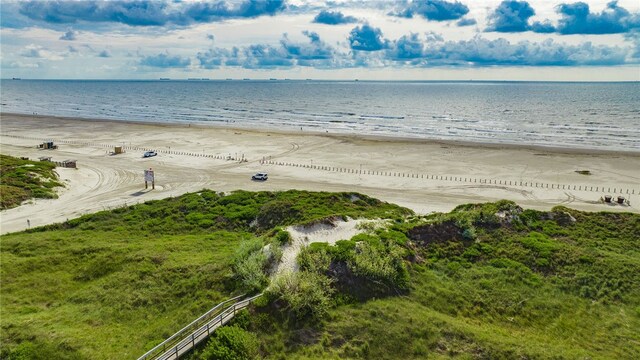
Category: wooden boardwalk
<point>186,339</point>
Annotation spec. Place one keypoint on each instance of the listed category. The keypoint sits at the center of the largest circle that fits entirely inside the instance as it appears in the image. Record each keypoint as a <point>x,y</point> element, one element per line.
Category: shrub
<point>282,236</point>
<point>375,264</point>
<point>317,261</point>
<point>541,244</point>
<point>305,293</point>
<point>231,343</point>
<point>277,212</point>
<point>250,265</point>
<point>343,250</point>
<point>469,233</point>
<point>250,271</point>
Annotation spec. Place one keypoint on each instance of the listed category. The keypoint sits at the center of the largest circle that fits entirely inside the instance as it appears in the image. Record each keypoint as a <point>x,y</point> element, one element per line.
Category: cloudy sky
<point>341,39</point>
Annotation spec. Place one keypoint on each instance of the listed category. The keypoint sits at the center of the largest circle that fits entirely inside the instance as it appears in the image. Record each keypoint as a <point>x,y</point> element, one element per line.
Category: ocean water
<point>572,115</point>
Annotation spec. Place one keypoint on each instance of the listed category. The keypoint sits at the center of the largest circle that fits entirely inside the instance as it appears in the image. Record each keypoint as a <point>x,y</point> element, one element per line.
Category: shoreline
<point>423,175</point>
<point>343,136</point>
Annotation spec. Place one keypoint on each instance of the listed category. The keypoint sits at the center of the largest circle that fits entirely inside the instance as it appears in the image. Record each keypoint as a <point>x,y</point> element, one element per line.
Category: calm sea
<point>583,115</point>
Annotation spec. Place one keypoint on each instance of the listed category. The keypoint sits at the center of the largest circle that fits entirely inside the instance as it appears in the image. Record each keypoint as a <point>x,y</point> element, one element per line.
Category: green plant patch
<point>115,283</point>
<point>21,180</point>
<point>487,281</point>
<point>530,284</point>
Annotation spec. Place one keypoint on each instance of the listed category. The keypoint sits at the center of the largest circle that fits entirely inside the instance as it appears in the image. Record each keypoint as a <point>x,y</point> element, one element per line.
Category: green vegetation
<point>526,284</point>
<point>487,281</point>
<point>231,343</point>
<point>21,180</point>
<point>115,283</point>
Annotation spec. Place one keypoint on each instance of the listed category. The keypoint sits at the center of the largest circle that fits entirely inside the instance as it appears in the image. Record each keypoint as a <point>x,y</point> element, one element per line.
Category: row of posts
<point>456,178</point>
<point>238,157</point>
<point>370,172</point>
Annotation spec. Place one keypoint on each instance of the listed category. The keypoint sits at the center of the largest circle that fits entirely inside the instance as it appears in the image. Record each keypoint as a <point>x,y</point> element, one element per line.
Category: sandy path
<point>302,236</point>
<point>304,162</point>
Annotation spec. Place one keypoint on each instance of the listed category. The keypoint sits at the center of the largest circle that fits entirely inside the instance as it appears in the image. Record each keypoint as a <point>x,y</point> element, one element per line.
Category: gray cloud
<point>146,13</point>
<point>70,35</point>
<point>164,60</point>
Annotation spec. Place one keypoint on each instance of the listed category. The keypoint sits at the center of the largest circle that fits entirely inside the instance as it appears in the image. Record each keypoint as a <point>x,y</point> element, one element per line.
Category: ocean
<point>570,115</point>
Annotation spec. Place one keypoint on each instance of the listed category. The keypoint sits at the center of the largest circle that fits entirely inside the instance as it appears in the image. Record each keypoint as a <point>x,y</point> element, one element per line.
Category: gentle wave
<point>598,115</point>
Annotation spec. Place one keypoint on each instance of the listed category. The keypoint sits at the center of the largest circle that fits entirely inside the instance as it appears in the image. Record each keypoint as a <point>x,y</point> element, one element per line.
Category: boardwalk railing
<point>200,329</point>
<point>192,334</point>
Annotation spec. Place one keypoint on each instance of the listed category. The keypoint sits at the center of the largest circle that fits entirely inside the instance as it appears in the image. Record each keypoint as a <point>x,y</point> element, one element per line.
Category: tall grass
<point>528,285</point>
<point>113,284</point>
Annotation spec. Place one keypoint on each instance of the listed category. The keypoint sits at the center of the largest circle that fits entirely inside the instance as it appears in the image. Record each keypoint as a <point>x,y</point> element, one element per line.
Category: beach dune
<point>423,175</point>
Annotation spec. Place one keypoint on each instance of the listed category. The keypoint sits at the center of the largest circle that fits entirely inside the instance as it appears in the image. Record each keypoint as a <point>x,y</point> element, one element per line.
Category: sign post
<point>149,178</point>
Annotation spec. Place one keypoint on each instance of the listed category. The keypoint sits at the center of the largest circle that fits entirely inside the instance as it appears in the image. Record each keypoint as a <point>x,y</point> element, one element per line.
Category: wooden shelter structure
<point>48,145</point>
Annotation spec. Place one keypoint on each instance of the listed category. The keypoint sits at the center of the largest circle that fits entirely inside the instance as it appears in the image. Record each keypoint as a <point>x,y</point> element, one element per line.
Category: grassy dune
<point>530,285</point>
<point>21,180</point>
<point>111,285</point>
<point>486,281</point>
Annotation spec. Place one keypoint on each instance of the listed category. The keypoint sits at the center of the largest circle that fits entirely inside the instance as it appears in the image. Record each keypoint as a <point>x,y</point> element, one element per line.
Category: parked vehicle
<point>150,154</point>
<point>260,177</point>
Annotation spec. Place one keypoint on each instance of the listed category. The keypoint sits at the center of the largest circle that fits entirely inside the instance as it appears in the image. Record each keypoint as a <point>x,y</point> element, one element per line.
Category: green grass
<point>85,294</point>
<point>113,284</point>
<point>531,285</point>
<point>21,180</point>
<point>486,281</point>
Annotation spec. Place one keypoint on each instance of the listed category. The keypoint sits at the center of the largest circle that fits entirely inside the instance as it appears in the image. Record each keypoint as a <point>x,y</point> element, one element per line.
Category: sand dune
<point>423,175</point>
<point>302,236</point>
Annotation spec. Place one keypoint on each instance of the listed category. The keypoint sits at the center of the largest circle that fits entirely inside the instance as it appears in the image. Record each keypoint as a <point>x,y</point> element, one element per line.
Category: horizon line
<point>163,79</point>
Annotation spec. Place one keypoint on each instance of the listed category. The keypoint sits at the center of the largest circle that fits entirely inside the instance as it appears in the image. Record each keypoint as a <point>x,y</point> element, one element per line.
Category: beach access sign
<point>148,175</point>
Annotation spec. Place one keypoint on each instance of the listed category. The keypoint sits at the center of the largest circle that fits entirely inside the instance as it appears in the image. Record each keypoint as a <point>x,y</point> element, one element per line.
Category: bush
<point>304,293</point>
<point>250,271</point>
<point>282,236</point>
<point>317,261</point>
<point>231,343</point>
<point>277,212</point>
<point>469,233</point>
<point>541,244</point>
<point>250,263</point>
<point>343,250</point>
<point>374,264</point>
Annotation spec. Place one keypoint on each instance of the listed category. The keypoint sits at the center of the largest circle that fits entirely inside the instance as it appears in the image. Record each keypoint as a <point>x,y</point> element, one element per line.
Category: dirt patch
<point>436,233</point>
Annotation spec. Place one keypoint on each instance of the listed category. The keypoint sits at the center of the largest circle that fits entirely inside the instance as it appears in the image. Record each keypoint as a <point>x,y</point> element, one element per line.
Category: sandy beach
<point>425,176</point>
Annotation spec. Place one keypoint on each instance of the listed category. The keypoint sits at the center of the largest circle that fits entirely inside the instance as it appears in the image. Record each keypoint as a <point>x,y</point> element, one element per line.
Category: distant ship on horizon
<point>164,79</point>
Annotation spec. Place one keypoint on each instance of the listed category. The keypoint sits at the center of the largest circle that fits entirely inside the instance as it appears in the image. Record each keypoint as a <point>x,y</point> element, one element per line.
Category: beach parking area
<point>423,175</point>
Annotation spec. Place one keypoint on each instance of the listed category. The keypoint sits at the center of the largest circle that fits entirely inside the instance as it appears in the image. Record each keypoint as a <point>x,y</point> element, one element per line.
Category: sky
<point>339,39</point>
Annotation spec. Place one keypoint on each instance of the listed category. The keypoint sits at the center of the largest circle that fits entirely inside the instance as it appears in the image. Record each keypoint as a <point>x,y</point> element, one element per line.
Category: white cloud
<point>40,52</point>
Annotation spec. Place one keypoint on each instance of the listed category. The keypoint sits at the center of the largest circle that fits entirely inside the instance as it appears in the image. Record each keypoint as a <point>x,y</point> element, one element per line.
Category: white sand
<point>104,181</point>
<point>302,236</point>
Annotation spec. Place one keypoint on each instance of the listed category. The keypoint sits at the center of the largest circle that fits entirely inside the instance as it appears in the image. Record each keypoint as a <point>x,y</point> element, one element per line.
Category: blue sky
<point>298,39</point>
